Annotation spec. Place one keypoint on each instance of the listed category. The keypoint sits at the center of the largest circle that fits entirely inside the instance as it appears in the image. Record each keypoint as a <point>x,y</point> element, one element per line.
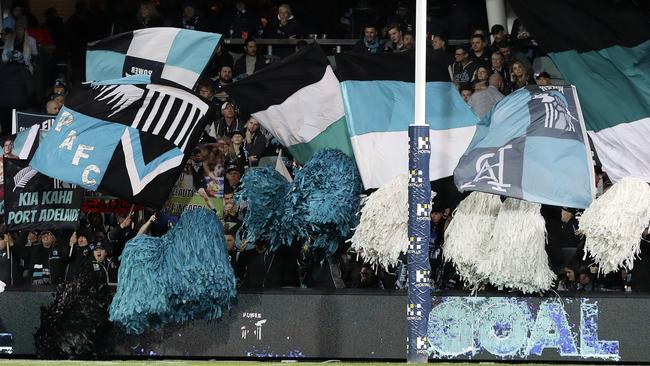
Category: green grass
<point>218,363</point>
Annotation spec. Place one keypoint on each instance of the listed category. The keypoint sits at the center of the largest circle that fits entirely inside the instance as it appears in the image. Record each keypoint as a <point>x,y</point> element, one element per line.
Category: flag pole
<point>419,296</point>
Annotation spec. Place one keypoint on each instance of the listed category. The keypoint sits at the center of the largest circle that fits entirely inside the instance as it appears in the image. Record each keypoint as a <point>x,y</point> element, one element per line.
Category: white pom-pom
<point>468,233</point>
<point>614,222</point>
<point>515,257</point>
<point>382,233</point>
<point>2,286</point>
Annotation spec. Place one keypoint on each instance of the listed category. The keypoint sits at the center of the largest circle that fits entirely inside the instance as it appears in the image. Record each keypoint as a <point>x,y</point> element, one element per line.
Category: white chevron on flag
<point>161,164</point>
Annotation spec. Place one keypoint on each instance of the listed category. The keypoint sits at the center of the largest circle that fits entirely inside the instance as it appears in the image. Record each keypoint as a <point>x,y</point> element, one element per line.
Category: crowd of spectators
<point>485,67</point>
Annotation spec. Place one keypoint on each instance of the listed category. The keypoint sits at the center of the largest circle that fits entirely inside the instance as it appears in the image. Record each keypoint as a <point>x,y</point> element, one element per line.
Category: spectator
<point>224,78</point>
<point>242,23</point>
<point>568,280</point>
<point>370,41</point>
<point>231,220</point>
<point>402,18</point>
<point>220,59</point>
<point>510,56</point>
<point>228,123</point>
<point>205,90</point>
<point>59,99</point>
<point>523,40</point>
<point>46,265</point>
<point>104,268</point>
<point>368,278</point>
<point>191,18</point>
<point>285,25</point>
<point>255,142</point>
<point>233,178</point>
<point>233,253</point>
<point>462,70</point>
<point>439,44</point>
<point>498,66</point>
<point>250,62</point>
<point>409,41</point>
<point>483,100</point>
<point>20,47</point>
<point>543,79</point>
<point>238,155</point>
<point>466,92</point>
<point>519,77</point>
<point>481,74</point>
<point>395,42</point>
<point>148,16</point>
<point>59,86</point>
<point>119,234</point>
<point>585,280</point>
<point>260,268</point>
<point>479,53</point>
<point>499,35</point>
<point>79,255</point>
<point>8,266</point>
<point>7,148</point>
<point>15,13</point>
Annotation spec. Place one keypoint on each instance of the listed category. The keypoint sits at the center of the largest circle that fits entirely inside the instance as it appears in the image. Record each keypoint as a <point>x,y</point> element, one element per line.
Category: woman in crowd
<point>237,154</point>
<point>519,76</point>
<point>482,74</point>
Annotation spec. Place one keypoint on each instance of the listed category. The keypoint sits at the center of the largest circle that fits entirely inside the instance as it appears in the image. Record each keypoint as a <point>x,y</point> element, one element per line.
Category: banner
<point>35,201</point>
<point>22,121</point>
<point>114,205</point>
<point>184,196</point>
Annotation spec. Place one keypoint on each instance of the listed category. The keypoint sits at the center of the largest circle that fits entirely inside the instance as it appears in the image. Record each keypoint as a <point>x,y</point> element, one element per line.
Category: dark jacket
<point>277,30</point>
<point>268,270</point>
<point>240,65</point>
<point>47,265</point>
<point>257,146</point>
<point>222,128</point>
<point>81,256</point>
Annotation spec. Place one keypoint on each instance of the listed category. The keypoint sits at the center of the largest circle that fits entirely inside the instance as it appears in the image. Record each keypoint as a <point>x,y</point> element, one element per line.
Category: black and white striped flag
<point>128,137</point>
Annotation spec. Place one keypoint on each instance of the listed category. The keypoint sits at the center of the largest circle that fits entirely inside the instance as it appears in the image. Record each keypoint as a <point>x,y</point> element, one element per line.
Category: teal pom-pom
<point>181,276</point>
<point>264,191</point>
<point>323,200</point>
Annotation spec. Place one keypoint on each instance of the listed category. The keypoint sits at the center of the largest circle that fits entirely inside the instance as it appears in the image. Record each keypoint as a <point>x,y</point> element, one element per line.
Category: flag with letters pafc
<point>173,54</point>
<point>603,48</point>
<point>127,137</point>
<point>35,201</point>
<point>532,145</point>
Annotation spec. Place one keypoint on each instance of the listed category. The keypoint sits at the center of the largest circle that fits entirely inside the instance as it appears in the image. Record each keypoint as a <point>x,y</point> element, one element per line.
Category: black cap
<point>231,167</point>
<point>236,132</point>
<point>543,74</point>
<point>496,28</point>
<point>98,245</point>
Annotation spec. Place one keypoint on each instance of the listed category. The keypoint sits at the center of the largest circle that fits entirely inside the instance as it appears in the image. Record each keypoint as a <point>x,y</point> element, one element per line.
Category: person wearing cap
<point>79,253</point>
<point>228,123</point>
<point>498,33</point>
<point>237,155</point>
<point>543,79</point>
<point>104,269</point>
<point>47,265</point>
<point>59,86</point>
<point>233,178</point>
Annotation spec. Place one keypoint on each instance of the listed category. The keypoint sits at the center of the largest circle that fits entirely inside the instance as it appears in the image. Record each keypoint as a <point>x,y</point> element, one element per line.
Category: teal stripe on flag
<point>191,50</point>
<point>613,84</point>
<point>335,136</point>
<point>387,106</point>
<point>104,65</point>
